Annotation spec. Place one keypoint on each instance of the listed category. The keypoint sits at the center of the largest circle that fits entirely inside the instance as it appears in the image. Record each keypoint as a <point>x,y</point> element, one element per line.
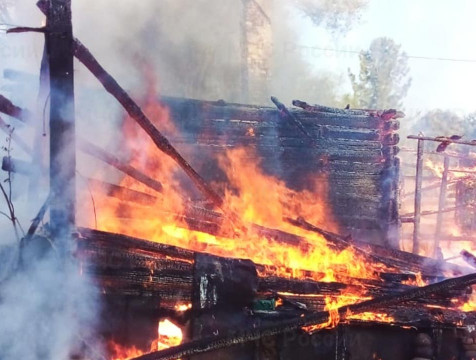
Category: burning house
<point>228,230</point>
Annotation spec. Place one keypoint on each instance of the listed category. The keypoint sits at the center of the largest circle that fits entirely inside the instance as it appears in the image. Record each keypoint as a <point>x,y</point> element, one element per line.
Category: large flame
<point>256,197</point>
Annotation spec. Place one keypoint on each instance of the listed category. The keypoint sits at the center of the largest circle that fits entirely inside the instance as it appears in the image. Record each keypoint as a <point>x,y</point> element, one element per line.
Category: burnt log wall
<point>356,150</point>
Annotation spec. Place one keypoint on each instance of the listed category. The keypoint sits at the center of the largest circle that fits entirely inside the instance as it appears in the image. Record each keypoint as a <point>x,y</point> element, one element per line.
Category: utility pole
<point>59,47</point>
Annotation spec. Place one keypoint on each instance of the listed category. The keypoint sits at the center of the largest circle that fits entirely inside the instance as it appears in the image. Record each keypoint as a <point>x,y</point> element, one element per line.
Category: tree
<point>334,15</point>
<point>383,80</point>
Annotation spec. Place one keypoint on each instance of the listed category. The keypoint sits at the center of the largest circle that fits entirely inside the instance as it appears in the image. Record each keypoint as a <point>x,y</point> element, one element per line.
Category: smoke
<point>47,307</point>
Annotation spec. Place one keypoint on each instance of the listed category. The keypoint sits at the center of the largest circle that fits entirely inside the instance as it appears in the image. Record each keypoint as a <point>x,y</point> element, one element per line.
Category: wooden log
<point>108,158</point>
<point>190,113</point>
<point>383,114</point>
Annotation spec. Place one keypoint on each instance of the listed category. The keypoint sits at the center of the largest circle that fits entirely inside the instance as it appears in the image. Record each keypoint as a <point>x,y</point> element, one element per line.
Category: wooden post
<point>59,47</point>
<point>441,203</point>
<point>418,183</point>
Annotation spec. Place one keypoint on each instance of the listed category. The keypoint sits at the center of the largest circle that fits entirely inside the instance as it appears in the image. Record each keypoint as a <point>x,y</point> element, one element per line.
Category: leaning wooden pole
<point>134,110</point>
<point>59,47</point>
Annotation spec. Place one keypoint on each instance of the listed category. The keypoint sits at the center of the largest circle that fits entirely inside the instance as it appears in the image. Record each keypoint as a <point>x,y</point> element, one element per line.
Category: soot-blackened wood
<point>122,193</point>
<point>287,114</point>
<point>223,283</point>
<point>383,114</point>
<point>8,108</point>
<point>194,112</point>
<point>246,335</point>
<point>127,242</point>
<point>101,154</point>
<point>111,85</point>
<point>59,46</point>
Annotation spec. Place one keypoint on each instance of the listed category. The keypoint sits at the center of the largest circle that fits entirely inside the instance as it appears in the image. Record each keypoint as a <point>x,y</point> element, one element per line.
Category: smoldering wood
<point>122,193</point>
<point>266,117</point>
<point>126,266</point>
<point>246,335</point>
<point>110,84</point>
<point>286,113</point>
<point>101,154</point>
<point>223,283</point>
<point>383,114</point>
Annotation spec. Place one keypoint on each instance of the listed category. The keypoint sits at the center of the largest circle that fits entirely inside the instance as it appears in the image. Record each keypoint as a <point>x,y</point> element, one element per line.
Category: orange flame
<point>169,335</point>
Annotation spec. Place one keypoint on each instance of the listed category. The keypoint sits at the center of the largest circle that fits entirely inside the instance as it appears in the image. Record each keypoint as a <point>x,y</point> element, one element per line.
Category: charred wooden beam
<point>8,108</point>
<point>122,193</point>
<point>111,85</point>
<point>383,114</point>
<point>246,335</point>
<point>110,159</point>
<point>191,110</point>
<point>286,113</point>
<point>338,240</point>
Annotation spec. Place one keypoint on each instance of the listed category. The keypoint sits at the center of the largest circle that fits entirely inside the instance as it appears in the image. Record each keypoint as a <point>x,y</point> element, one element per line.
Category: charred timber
<point>287,114</point>
<point>384,114</point>
<point>246,335</point>
<point>7,107</point>
<point>122,193</point>
<point>112,160</point>
<point>189,110</point>
<point>111,85</point>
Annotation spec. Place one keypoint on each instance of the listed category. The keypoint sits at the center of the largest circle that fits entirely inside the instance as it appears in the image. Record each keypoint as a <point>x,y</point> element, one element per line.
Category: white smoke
<point>47,308</point>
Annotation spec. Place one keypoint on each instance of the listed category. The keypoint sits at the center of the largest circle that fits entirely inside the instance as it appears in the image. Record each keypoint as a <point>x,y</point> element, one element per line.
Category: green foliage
<point>383,80</point>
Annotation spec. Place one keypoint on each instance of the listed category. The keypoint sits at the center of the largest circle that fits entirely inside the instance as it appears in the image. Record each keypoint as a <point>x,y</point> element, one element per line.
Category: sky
<point>429,28</point>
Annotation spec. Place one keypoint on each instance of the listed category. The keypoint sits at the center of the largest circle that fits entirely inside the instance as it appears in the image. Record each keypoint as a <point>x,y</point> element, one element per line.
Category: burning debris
<point>274,221</point>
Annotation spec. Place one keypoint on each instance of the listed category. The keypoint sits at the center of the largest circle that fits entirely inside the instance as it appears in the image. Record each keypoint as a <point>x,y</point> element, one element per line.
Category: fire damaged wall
<point>353,155</point>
